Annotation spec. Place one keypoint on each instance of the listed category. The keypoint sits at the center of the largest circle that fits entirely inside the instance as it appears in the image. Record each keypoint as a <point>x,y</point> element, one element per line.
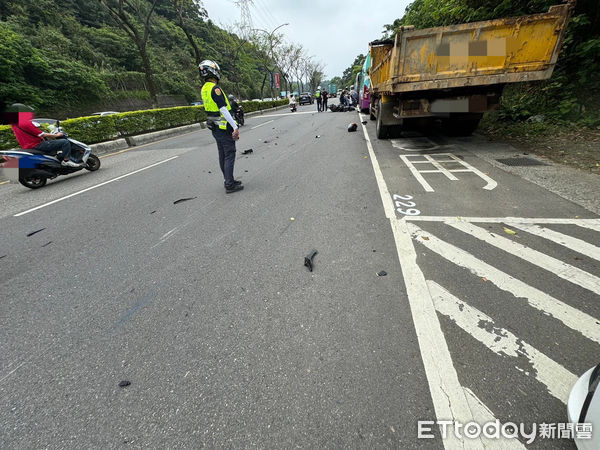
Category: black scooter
<point>239,116</point>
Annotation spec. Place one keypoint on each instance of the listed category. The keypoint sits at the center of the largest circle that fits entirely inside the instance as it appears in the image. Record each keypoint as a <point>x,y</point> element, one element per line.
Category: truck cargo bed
<point>474,54</point>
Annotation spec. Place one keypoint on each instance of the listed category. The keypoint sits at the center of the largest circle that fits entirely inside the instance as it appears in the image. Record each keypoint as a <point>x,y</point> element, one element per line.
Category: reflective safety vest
<point>211,107</point>
<point>317,94</point>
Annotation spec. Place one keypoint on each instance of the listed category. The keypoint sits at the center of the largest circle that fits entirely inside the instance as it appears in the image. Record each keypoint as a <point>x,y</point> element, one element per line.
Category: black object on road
<point>124,383</point>
<point>245,152</point>
<point>383,273</point>
<point>352,127</point>
<point>364,122</point>
<point>308,260</point>
<point>183,200</point>
<point>36,231</point>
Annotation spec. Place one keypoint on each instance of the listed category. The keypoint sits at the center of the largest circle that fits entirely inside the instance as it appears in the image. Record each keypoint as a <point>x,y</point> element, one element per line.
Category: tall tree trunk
<point>148,75</point>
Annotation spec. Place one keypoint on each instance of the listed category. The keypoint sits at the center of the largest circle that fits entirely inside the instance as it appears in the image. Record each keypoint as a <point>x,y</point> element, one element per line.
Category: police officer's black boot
<point>237,186</point>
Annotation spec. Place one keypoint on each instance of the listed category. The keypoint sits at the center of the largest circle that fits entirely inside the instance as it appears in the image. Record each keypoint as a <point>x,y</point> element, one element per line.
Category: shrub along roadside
<point>94,129</point>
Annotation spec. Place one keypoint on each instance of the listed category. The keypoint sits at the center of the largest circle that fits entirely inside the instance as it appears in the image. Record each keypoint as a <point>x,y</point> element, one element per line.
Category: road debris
<point>317,136</point>
<point>383,273</point>
<point>308,260</point>
<point>181,200</point>
<point>364,122</point>
<point>509,231</point>
<point>124,383</point>
<point>46,244</point>
<point>292,219</point>
<point>36,231</point>
<point>247,152</point>
<point>3,256</point>
<point>352,127</point>
<point>152,212</point>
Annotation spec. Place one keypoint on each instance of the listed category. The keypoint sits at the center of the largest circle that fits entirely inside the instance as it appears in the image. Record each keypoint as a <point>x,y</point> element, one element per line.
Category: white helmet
<point>319,87</point>
<point>209,69</point>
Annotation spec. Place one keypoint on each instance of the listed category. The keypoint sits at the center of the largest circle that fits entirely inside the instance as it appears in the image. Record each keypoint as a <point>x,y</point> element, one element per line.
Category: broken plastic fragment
<point>183,200</point>
<point>308,260</point>
<point>509,231</point>
<point>292,219</point>
<point>318,136</point>
<point>36,231</point>
<point>245,152</point>
<point>383,273</point>
<point>124,383</point>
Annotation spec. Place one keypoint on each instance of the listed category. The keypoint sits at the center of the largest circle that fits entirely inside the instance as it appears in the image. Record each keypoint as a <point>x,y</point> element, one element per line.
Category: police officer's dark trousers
<point>226,147</point>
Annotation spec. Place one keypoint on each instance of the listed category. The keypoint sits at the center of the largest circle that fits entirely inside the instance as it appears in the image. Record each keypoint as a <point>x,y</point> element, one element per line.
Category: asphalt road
<point>227,340</point>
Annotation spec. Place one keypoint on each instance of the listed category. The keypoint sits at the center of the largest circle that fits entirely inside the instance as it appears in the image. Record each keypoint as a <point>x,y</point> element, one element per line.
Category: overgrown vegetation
<point>74,57</point>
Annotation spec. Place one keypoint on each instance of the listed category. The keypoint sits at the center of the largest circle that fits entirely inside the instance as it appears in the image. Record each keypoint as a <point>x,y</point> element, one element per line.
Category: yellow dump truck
<point>456,73</point>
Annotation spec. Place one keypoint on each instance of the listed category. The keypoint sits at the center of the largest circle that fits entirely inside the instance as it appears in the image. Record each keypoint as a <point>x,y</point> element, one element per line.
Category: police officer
<point>319,99</point>
<point>219,121</point>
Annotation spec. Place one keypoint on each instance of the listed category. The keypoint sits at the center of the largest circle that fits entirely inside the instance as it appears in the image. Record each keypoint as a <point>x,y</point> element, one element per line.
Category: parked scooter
<point>293,107</point>
<point>32,168</point>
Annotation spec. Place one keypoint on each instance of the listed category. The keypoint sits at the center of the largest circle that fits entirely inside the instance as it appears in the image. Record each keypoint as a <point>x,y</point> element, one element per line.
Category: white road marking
<point>591,225</point>
<point>554,376</point>
<point>264,123</point>
<point>483,415</point>
<point>286,114</point>
<point>573,243</point>
<point>93,187</point>
<point>561,269</point>
<point>571,317</point>
<point>588,223</point>
<point>437,163</point>
<point>447,394</point>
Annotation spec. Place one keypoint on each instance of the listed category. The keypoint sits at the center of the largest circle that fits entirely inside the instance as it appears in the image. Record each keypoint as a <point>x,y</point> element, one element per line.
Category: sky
<point>334,32</point>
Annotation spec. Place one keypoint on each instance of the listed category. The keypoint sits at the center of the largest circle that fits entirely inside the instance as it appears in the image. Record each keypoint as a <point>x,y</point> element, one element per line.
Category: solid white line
<point>448,397</point>
<point>571,317</point>
<point>264,123</point>
<point>554,376</point>
<point>559,268</point>
<point>92,187</point>
<point>565,240</point>
<point>581,222</point>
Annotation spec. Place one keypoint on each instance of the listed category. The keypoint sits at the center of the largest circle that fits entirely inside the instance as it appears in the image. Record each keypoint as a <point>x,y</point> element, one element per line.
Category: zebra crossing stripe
<point>573,318</point>
<point>554,376</point>
<point>565,240</point>
<point>565,271</point>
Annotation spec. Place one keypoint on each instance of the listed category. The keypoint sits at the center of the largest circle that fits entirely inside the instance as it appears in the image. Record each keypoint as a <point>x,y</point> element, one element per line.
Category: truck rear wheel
<point>381,130</point>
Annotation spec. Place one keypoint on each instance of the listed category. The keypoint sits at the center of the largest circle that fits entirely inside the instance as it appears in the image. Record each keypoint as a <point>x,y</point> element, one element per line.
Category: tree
<point>133,16</point>
<point>189,11</point>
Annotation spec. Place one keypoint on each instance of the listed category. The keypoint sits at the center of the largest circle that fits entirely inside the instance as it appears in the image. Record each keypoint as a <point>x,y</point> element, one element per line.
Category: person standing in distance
<point>319,99</point>
<point>219,121</point>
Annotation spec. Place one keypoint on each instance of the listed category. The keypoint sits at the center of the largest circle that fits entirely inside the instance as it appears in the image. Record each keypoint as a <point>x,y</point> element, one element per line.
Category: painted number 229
<point>402,201</point>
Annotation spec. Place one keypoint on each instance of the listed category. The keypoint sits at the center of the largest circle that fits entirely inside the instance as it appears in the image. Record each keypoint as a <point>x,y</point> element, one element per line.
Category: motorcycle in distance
<point>239,116</point>
<point>32,168</point>
<point>293,107</point>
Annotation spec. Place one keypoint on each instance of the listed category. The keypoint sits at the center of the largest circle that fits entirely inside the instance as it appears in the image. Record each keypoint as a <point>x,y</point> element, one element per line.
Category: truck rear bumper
<point>443,107</point>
